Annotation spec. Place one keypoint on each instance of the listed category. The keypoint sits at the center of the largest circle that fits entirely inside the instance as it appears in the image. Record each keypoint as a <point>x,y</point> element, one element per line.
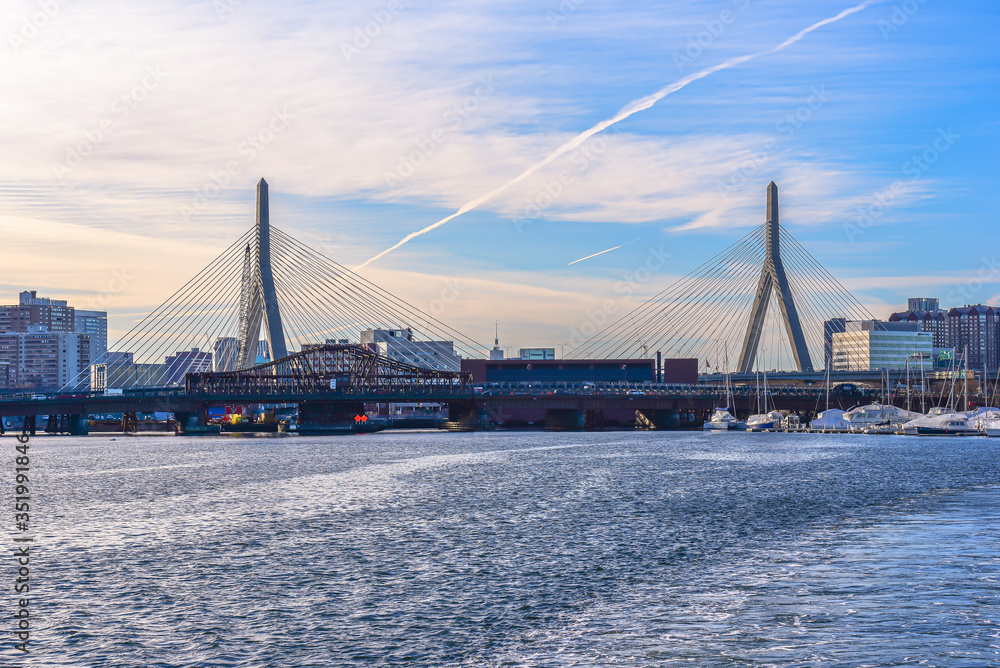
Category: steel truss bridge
<point>273,321</point>
<point>560,406</point>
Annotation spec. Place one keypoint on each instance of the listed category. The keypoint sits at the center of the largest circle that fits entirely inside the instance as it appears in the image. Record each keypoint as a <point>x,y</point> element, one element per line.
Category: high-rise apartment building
<point>40,360</point>
<point>933,321</point>
<point>976,329</point>
<point>47,344</point>
<point>923,304</point>
<point>94,323</point>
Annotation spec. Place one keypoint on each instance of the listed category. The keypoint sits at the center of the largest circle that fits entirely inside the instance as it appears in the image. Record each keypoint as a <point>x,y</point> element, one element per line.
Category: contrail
<point>633,107</point>
<point>601,253</point>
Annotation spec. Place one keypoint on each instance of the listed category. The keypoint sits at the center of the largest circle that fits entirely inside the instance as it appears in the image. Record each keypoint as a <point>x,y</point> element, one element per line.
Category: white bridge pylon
<point>726,304</point>
<point>258,298</point>
<point>773,278</point>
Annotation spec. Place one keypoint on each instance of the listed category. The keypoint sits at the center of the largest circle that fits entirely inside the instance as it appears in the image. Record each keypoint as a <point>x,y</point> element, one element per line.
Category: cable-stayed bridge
<point>759,304</point>
<point>267,283</point>
<point>273,321</point>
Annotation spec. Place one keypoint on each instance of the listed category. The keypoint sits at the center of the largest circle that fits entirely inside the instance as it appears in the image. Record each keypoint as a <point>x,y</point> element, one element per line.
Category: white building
<point>869,345</point>
<point>94,323</point>
<point>398,344</point>
<point>126,375</point>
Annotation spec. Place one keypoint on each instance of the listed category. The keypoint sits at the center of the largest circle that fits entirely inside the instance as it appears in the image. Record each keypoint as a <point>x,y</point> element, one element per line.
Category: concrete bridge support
<point>29,425</point>
<point>565,419</point>
<point>594,420</point>
<point>77,425</point>
<point>657,419</point>
<point>53,425</point>
<point>130,423</point>
<point>316,418</point>
<point>195,424</point>
<point>468,416</point>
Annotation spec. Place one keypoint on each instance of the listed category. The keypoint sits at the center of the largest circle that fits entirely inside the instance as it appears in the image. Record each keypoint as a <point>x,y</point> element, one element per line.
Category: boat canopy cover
<point>831,419</point>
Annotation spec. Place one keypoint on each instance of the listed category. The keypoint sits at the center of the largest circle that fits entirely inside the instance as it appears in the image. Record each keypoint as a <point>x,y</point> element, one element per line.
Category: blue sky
<point>365,138</point>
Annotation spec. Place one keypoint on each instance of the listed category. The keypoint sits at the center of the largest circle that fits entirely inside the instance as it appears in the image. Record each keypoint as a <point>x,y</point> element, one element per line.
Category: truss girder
<point>342,369</point>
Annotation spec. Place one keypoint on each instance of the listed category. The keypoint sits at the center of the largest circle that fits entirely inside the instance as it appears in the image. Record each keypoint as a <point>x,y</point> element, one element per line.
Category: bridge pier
<point>130,423</point>
<point>195,424</point>
<point>565,419</point>
<point>77,425</point>
<point>467,416</point>
<point>29,425</point>
<point>594,420</point>
<point>52,426</point>
<point>327,418</point>
<point>657,419</point>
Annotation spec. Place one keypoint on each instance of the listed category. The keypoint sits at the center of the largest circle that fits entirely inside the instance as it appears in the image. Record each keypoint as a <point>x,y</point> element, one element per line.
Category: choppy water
<point>516,549</point>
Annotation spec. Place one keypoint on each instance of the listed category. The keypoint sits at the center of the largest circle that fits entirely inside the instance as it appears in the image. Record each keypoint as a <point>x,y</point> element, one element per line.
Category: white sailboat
<point>764,419</point>
<point>878,415</point>
<point>830,419</point>
<point>721,419</point>
<point>946,420</point>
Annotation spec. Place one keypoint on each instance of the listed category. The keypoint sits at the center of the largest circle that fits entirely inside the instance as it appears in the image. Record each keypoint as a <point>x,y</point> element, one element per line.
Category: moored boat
<point>761,421</point>
<point>722,419</point>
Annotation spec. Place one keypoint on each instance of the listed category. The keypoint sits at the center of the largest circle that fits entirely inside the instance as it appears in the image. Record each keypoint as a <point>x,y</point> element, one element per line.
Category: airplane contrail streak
<point>601,253</point>
<point>633,107</point>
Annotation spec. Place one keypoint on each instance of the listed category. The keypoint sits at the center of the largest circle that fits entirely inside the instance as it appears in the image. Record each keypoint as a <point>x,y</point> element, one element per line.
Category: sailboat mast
<point>965,376</point>
<point>923,387</point>
<point>758,391</point>
<point>951,392</point>
<point>827,387</point>
<point>907,383</point>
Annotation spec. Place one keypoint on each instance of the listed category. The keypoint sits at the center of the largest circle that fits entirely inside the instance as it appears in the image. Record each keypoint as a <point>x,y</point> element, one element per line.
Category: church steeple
<point>497,352</point>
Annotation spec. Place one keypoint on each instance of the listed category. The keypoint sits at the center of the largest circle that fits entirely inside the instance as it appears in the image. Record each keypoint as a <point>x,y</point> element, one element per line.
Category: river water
<point>513,549</point>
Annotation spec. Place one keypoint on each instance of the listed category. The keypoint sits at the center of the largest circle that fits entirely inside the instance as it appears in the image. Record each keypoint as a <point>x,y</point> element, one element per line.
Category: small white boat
<point>761,421</point>
<point>942,422</point>
<point>723,420</point>
<point>884,417</point>
<point>992,428</point>
<point>830,420</point>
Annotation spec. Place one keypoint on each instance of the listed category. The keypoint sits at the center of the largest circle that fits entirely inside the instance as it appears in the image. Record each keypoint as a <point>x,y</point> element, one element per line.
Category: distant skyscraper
<point>52,315</point>
<point>934,321</point>
<point>226,353</point>
<point>94,323</point>
<point>42,360</point>
<point>922,304</point>
<point>398,344</point>
<point>975,328</point>
<point>185,362</point>
<point>38,358</point>
<point>831,327</point>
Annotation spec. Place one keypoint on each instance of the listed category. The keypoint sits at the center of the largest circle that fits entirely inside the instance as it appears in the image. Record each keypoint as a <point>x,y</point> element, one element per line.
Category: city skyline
<point>366,137</point>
